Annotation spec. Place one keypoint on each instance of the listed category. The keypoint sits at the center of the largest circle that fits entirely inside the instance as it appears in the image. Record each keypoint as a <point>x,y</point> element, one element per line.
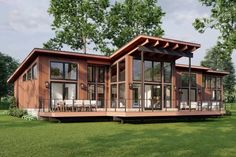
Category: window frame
<point>63,71</point>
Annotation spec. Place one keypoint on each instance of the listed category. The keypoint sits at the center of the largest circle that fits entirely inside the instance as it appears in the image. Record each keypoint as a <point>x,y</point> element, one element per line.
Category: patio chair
<point>87,105</point>
<point>205,106</point>
<point>59,105</point>
<point>78,104</point>
<point>68,105</point>
<point>93,104</point>
<point>194,106</point>
<point>184,105</point>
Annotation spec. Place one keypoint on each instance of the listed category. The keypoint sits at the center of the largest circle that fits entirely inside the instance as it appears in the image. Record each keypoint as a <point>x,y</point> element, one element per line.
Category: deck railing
<point>84,105</point>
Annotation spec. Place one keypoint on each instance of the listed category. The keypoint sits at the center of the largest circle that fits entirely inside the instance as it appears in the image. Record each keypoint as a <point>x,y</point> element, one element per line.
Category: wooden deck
<point>132,114</point>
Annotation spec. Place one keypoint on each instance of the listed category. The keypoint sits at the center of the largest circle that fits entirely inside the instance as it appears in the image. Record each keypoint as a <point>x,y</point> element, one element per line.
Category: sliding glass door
<point>152,97</point>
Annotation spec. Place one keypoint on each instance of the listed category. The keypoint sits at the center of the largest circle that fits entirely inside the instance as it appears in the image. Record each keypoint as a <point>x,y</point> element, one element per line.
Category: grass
<point>214,137</point>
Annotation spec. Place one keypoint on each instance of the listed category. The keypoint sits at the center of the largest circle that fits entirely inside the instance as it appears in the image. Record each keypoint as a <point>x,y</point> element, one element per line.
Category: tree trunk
<point>84,44</point>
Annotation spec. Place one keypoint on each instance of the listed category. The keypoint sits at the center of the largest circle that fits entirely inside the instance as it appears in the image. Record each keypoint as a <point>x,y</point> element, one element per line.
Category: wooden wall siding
<point>27,92</point>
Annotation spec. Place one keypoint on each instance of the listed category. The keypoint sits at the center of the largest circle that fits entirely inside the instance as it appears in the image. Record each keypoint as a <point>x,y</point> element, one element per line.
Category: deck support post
<point>189,84</point>
<point>142,80</point>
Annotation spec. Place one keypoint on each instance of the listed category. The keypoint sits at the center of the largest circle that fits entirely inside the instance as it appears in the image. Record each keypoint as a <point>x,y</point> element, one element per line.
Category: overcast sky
<point>25,24</point>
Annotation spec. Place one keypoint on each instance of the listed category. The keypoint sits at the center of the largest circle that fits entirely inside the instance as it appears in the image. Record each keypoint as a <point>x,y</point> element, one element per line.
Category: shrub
<point>17,112</point>
<point>29,117</point>
<point>6,112</point>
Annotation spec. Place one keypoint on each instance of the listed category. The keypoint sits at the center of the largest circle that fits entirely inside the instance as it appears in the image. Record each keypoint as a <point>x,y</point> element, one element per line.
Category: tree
<point>128,19</point>
<point>223,18</point>
<point>7,67</point>
<point>215,60</point>
<point>78,23</point>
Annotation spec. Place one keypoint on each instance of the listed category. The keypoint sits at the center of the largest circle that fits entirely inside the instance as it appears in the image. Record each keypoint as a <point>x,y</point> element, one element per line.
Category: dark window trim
<point>63,70</point>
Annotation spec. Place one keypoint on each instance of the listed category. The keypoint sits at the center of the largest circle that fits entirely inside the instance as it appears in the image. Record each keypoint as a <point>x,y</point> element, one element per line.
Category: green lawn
<point>43,139</point>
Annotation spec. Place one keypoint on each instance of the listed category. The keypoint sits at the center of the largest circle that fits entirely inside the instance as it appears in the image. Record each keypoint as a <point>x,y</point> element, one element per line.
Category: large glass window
<point>185,79</point>
<point>91,92</point>
<point>56,70</point>
<point>101,94</point>
<point>218,82</point>
<point>113,95</point>
<point>61,91</point>
<point>70,71</point>
<point>91,74</point>
<point>167,96</point>
<point>63,70</point>
<point>148,70</point>
<point>157,71</point>
<point>208,81</point>
<point>34,72</point>
<point>101,74</point>
<point>121,95</point>
<point>136,95</point>
<point>136,69</point>
<point>29,74</point>
<point>153,96</point>
<point>114,73</point>
<point>213,82</point>
<point>184,95</point>
<point>167,72</point>
<point>122,70</point>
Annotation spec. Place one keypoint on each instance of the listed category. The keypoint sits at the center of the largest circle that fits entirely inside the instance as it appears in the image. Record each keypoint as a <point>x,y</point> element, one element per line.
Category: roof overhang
<point>44,52</point>
<point>157,45</point>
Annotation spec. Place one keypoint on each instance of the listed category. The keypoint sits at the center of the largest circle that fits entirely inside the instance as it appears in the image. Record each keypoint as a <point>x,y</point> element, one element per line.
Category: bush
<point>7,102</point>
<point>17,112</point>
<point>6,112</point>
<point>29,117</point>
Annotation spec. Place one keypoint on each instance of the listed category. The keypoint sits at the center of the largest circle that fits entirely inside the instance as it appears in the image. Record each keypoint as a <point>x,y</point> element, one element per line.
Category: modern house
<point>141,79</point>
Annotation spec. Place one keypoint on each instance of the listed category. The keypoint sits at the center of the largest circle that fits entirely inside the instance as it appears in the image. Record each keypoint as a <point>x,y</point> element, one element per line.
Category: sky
<point>25,24</point>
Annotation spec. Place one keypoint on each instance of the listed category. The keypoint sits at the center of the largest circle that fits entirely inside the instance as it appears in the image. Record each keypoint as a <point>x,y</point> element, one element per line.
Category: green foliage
<point>28,117</point>
<point>16,112</point>
<point>215,60</point>
<point>80,23</point>
<point>223,18</point>
<point>128,19</point>
<point>7,67</point>
<point>7,102</point>
<point>76,22</point>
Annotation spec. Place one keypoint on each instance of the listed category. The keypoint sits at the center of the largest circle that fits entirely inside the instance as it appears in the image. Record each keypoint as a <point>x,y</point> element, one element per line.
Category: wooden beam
<point>156,43</point>
<point>183,48</point>
<point>166,45</point>
<point>164,51</point>
<point>136,48</point>
<point>175,47</point>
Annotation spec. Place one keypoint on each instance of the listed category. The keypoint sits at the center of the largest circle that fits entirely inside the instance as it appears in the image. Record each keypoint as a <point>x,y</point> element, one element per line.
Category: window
<point>70,71</point>
<point>121,95</point>
<point>24,77</point>
<point>208,81</point>
<point>29,74</point>
<point>91,92</point>
<point>148,70</point>
<point>60,91</point>
<point>66,71</point>
<point>91,74</point>
<point>157,71</point>
<point>56,70</point>
<point>136,69</point>
<point>101,74</point>
<point>218,82</point>
<point>185,78</point>
<point>34,72</point>
<point>136,95</point>
<point>167,96</point>
<point>101,95</point>
<point>184,95</point>
<point>167,72</point>
<point>114,73</point>
<point>213,82</point>
<point>113,95</point>
<point>203,81</point>
<point>122,70</point>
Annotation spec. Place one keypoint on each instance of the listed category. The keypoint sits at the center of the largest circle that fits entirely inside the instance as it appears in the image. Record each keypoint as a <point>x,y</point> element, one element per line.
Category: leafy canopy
<point>222,18</point>
<point>105,27</point>
<point>7,67</point>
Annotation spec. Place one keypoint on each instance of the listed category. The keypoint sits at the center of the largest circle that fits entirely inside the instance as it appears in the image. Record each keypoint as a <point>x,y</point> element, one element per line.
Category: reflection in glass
<point>148,70</point>
<point>70,71</point>
<point>136,69</point>
<point>121,95</point>
<point>113,95</point>
<point>157,71</point>
<point>113,73</point>
<point>167,72</point>
<point>122,70</point>
<point>167,96</point>
<point>56,70</point>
